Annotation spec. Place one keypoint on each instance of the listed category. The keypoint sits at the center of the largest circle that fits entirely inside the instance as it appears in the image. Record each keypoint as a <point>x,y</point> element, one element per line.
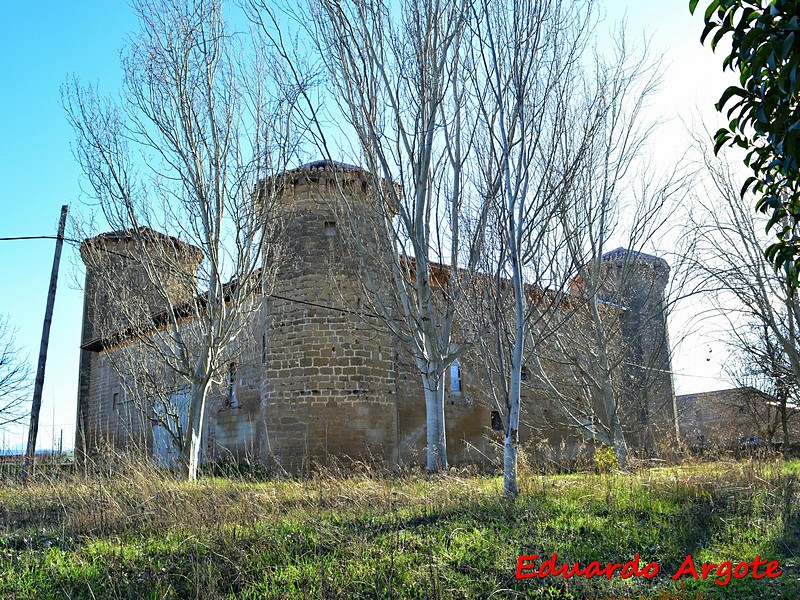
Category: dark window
<point>329,228</point>
<point>117,396</point>
<point>233,402</point>
<point>525,375</point>
<point>263,348</point>
<point>497,422</point>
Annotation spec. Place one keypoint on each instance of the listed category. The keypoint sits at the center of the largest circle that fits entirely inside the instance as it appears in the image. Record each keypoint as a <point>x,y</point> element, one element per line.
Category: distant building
<point>730,418</point>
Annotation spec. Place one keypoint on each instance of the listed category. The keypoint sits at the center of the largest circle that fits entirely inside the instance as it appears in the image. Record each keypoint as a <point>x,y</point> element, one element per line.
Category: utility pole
<point>36,405</point>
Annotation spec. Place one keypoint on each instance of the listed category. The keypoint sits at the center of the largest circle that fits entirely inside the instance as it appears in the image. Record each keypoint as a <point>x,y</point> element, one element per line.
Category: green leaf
<point>786,46</point>
<point>717,37</point>
<point>711,8</point>
<point>748,182</point>
<point>727,62</point>
<point>770,252</point>
<point>708,29</point>
<point>722,136</point>
<point>728,94</point>
<point>763,110</point>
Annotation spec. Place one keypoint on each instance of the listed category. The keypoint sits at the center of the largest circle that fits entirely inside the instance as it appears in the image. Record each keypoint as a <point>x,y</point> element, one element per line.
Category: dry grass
<point>365,534</point>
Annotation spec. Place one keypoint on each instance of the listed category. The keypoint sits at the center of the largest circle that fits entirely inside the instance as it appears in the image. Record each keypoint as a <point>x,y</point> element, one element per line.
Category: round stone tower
<point>133,276</point>
<point>130,279</point>
<point>329,363</point>
<point>637,282</point>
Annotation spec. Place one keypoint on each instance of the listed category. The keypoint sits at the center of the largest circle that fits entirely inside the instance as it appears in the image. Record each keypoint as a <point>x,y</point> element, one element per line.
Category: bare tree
<point>613,196</point>
<point>741,284</point>
<point>201,121</point>
<point>420,87</point>
<point>528,60</point>
<point>14,378</point>
<point>562,148</point>
<point>761,363</point>
<point>399,77</point>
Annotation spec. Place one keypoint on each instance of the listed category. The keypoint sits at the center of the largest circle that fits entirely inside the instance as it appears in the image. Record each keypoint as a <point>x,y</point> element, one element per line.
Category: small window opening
<point>263,348</point>
<point>233,402</point>
<point>455,378</point>
<point>329,228</point>
<point>525,375</point>
<point>497,422</point>
<point>116,396</point>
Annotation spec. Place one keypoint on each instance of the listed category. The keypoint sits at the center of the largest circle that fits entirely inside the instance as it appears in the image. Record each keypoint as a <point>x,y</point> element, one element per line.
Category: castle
<point>313,381</point>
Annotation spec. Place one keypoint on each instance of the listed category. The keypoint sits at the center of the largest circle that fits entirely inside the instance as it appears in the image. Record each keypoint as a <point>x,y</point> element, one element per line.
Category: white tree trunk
<point>189,459</point>
<point>190,456</point>
<point>510,445</point>
<point>511,442</point>
<point>436,460</point>
<point>618,443</point>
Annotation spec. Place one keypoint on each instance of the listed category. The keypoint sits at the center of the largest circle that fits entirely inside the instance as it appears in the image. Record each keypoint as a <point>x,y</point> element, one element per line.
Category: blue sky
<point>43,43</point>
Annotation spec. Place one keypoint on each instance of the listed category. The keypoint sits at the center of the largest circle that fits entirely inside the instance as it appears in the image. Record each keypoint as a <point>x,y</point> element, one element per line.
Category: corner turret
<point>637,282</point>
<point>330,371</point>
<point>130,277</point>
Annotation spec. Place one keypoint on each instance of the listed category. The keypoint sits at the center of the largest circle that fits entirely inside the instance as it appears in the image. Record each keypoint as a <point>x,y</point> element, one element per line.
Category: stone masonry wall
<point>474,437</point>
<point>329,384</point>
<point>317,379</point>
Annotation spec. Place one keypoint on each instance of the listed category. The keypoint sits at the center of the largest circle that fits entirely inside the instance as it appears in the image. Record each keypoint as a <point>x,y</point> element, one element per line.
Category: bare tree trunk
<point>785,428</point>
<point>511,439</point>
<point>189,458</point>
<point>607,390</point>
<point>618,444</point>
<point>436,442</point>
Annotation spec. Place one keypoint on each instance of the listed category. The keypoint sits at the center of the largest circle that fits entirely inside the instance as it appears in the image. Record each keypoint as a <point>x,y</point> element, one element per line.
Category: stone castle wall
<point>329,380</point>
<point>637,282</point>
<point>318,378</point>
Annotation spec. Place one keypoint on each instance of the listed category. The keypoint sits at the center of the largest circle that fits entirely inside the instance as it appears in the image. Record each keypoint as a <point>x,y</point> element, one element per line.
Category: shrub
<point>605,460</point>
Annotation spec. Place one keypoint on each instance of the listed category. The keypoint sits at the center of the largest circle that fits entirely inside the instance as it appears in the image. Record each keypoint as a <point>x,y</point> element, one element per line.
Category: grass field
<point>372,536</point>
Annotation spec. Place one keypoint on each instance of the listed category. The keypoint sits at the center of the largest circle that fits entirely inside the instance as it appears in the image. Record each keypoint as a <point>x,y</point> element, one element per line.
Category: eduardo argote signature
<point>722,573</point>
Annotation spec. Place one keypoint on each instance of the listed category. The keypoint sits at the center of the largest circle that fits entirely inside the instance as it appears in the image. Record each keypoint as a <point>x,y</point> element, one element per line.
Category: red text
<point>527,568</point>
<point>723,572</point>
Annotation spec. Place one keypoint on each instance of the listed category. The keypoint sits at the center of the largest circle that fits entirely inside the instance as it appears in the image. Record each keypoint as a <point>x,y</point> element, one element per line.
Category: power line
<point>37,237</point>
<point>275,296</point>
